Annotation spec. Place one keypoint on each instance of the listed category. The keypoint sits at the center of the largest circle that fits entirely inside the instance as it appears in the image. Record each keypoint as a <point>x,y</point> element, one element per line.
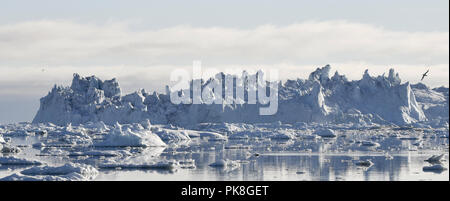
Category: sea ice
<point>12,160</point>
<point>370,144</point>
<point>128,138</point>
<point>67,172</point>
<point>9,149</point>
<point>325,133</point>
<point>170,135</point>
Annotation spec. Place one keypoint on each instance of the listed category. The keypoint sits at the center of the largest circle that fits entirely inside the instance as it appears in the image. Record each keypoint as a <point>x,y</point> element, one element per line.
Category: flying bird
<point>425,74</point>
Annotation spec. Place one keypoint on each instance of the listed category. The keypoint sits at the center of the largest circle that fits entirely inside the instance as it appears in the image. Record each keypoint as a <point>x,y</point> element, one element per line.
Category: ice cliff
<point>320,98</point>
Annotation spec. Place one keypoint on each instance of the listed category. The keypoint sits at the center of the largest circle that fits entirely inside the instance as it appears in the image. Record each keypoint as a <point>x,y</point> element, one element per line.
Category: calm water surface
<point>298,160</point>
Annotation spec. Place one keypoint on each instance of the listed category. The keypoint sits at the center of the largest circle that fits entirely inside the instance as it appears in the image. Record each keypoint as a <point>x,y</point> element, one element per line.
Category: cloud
<point>69,43</point>
<point>35,55</point>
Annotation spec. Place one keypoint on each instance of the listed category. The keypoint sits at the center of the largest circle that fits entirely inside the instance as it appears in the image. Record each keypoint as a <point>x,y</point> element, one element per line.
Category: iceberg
<point>382,100</point>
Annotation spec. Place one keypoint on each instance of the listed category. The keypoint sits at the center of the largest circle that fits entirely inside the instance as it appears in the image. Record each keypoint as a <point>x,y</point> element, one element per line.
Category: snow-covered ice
<point>12,160</point>
<point>124,138</point>
<point>67,172</point>
<point>325,133</point>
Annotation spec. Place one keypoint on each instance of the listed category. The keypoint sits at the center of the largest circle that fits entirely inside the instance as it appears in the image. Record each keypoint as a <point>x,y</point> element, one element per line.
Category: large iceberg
<point>320,99</point>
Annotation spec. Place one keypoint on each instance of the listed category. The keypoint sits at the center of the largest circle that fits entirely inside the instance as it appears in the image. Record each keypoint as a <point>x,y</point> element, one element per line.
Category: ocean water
<point>335,159</point>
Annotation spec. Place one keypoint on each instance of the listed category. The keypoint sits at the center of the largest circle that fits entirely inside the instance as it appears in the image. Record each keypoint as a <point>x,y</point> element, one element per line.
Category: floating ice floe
<point>67,172</point>
<point>310,137</point>
<point>370,144</point>
<point>9,149</point>
<point>101,153</point>
<point>128,138</point>
<point>170,135</point>
<point>2,141</point>
<point>434,168</point>
<point>211,136</point>
<point>325,133</point>
<point>282,135</point>
<point>12,160</point>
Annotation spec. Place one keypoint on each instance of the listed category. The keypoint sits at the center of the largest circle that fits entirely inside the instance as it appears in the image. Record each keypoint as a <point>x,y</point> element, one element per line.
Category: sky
<point>43,43</point>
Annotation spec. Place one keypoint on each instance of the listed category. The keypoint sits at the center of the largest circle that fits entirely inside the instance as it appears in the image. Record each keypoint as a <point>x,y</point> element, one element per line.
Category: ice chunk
<point>128,138</point>
<point>282,135</point>
<point>325,133</point>
<point>370,144</point>
<point>169,135</point>
<point>67,172</point>
<point>9,149</point>
<point>12,160</point>
<point>211,135</point>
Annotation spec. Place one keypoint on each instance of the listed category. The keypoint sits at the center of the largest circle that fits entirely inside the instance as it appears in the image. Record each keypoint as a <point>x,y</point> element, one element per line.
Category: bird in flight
<point>425,74</point>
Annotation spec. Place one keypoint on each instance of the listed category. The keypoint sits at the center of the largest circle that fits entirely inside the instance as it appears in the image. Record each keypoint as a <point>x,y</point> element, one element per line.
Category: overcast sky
<point>44,42</point>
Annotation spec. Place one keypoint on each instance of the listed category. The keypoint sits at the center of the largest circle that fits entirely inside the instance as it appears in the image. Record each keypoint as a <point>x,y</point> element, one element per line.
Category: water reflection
<point>262,159</point>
